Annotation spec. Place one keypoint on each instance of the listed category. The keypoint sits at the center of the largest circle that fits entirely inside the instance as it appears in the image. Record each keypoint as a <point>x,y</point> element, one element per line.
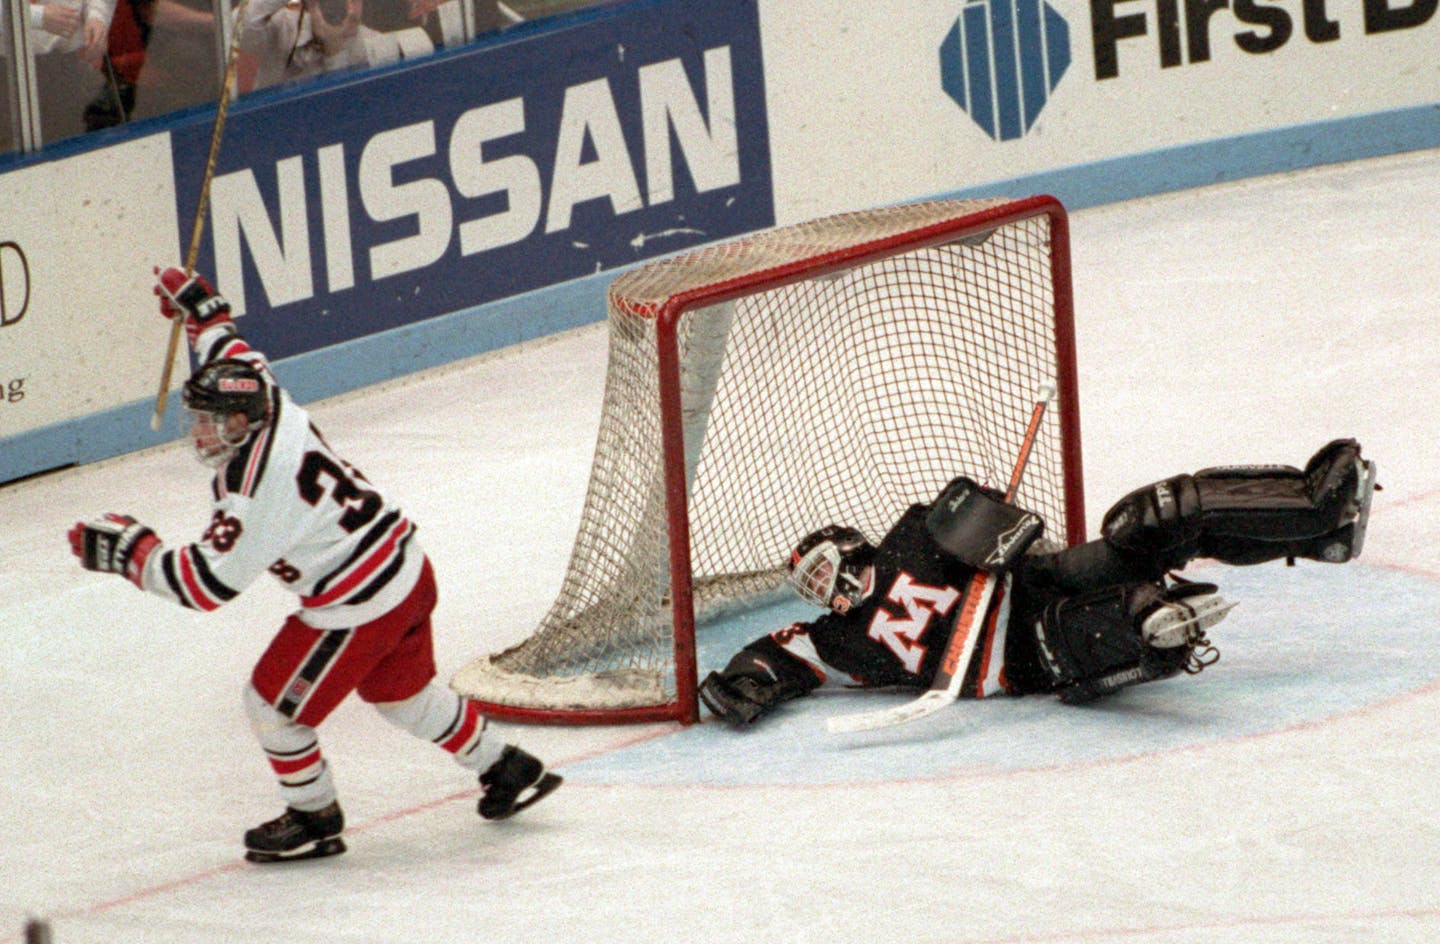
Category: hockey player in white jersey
<point>286,503</point>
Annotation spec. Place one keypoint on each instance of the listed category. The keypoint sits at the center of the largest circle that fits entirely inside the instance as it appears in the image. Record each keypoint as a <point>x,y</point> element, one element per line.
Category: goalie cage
<point>837,370</point>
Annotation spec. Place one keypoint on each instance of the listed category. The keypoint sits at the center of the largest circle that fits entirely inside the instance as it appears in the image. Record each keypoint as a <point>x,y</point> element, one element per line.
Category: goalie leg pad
<point>1086,566</point>
<point>756,681</point>
<point>1160,522</point>
<point>1250,514</point>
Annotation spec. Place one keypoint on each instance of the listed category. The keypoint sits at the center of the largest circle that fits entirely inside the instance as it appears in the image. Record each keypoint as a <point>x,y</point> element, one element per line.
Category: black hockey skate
<point>514,782</point>
<point>297,834</point>
<point>1345,542</point>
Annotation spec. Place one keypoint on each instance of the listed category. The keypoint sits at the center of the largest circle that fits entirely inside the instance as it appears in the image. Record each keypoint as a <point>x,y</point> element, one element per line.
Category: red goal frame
<point>686,709</point>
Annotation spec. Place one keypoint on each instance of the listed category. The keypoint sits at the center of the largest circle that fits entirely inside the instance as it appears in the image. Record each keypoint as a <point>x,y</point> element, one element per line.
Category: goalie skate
<point>1346,541</point>
<point>1364,493</point>
<point>1183,618</point>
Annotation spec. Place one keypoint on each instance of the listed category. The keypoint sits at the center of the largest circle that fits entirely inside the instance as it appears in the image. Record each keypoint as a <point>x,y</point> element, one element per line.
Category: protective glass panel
<point>284,41</point>
<point>165,56</point>
<point>9,106</point>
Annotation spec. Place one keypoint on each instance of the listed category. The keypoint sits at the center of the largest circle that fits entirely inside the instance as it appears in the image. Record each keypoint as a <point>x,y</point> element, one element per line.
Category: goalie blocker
<point>1085,621</point>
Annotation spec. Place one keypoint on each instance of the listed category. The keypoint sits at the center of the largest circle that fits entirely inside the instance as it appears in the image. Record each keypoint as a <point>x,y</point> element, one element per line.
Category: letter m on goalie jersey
<point>901,634</point>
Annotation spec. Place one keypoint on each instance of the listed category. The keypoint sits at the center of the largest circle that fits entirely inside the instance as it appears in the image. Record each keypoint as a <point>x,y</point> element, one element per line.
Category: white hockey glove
<point>114,544</point>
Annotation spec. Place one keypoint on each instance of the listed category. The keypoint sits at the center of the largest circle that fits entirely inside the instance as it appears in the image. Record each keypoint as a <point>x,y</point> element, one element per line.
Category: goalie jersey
<point>348,551</point>
<point>897,634</point>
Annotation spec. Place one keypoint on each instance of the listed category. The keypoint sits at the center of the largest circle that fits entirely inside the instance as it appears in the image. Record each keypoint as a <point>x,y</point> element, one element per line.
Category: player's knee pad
<point>1160,522</point>
<point>1090,644</point>
<point>276,732</point>
<point>756,680</point>
<point>1246,514</point>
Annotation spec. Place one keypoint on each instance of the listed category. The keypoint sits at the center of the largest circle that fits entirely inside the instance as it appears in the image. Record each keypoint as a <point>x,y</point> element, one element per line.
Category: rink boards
<point>369,227</point>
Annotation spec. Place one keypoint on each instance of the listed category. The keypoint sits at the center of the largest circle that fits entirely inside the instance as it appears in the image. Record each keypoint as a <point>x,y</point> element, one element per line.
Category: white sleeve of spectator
<point>262,30</point>
<point>101,10</point>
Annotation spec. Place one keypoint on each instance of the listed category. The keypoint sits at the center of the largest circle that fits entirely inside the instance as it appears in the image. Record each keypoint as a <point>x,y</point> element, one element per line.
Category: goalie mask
<point>831,568</point>
<point>228,400</point>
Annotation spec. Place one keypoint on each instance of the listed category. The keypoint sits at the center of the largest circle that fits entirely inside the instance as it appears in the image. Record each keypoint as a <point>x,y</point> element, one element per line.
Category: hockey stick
<point>945,687</point>
<point>198,227</point>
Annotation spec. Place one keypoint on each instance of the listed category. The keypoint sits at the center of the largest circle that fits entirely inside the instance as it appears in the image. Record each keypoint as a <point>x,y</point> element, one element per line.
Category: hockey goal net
<point>834,371</point>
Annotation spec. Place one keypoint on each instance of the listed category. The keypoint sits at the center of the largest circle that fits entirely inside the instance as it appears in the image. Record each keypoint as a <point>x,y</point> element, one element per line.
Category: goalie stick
<point>945,687</point>
<point>198,227</point>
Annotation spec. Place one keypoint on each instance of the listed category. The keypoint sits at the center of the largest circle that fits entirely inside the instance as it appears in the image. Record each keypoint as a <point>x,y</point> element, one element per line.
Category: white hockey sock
<point>293,751</point>
<point>439,715</point>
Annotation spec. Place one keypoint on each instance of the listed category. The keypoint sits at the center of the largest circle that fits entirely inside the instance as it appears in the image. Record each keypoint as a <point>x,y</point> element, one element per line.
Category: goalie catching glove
<point>758,679</point>
<point>114,544</point>
<point>192,298</point>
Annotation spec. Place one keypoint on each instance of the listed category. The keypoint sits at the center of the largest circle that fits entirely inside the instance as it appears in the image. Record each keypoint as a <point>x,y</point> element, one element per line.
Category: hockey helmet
<point>831,568</point>
<point>219,390</point>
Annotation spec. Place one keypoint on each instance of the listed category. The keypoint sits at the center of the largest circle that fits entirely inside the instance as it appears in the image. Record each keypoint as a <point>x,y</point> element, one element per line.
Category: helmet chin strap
<point>851,590</point>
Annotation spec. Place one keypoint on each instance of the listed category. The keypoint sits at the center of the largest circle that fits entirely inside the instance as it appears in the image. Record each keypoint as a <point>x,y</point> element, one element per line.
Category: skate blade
<point>320,850</point>
<point>1180,622</point>
<point>1366,493</point>
<point>538,791</point>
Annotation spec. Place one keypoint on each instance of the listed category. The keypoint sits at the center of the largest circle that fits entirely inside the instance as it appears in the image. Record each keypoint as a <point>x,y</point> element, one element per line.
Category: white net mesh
<point>838,398</point>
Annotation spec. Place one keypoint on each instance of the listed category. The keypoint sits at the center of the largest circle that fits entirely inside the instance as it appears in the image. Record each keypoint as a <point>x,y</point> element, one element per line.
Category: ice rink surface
<point>1291,793</point>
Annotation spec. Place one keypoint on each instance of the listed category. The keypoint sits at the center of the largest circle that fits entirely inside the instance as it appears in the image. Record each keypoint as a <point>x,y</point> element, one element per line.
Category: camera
<point>333,11</point>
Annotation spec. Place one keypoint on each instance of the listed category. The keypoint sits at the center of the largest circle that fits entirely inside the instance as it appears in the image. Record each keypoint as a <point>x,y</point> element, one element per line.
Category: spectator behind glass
<point>161,58</point>
<point>441,20</point>
<point>290,40</point>
<point>69,40</point>
<point>9,128</point>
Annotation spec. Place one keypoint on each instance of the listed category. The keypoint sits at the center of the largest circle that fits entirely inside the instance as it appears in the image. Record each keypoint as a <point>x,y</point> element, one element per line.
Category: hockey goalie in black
<point>1080,622</point>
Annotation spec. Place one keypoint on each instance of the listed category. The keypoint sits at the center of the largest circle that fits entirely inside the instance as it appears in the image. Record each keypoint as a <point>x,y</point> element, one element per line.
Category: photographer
<point>292,40</point>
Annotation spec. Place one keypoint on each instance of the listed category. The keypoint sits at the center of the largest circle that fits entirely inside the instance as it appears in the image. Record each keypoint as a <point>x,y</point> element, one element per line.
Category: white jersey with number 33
<point>286,503</point>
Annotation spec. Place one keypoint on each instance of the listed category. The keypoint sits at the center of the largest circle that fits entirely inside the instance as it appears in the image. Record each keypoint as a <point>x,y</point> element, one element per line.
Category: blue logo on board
<point>1001,60</point>
<point>485,173</point>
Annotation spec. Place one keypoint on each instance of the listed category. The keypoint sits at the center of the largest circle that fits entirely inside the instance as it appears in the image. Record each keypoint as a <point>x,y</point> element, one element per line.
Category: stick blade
<point>922,707</point>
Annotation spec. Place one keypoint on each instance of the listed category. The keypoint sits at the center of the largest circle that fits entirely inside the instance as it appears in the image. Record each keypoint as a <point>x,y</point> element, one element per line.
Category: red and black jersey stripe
<point>377,557</point>
<point>324,653</point>
<point>192,581</point>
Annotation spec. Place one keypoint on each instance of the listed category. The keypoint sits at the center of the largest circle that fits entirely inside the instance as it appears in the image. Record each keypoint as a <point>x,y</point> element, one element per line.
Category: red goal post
<point>833,371</point>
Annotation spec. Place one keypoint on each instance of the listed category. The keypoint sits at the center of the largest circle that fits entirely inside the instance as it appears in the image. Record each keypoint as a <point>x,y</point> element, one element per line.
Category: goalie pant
<point>1060,619</point>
